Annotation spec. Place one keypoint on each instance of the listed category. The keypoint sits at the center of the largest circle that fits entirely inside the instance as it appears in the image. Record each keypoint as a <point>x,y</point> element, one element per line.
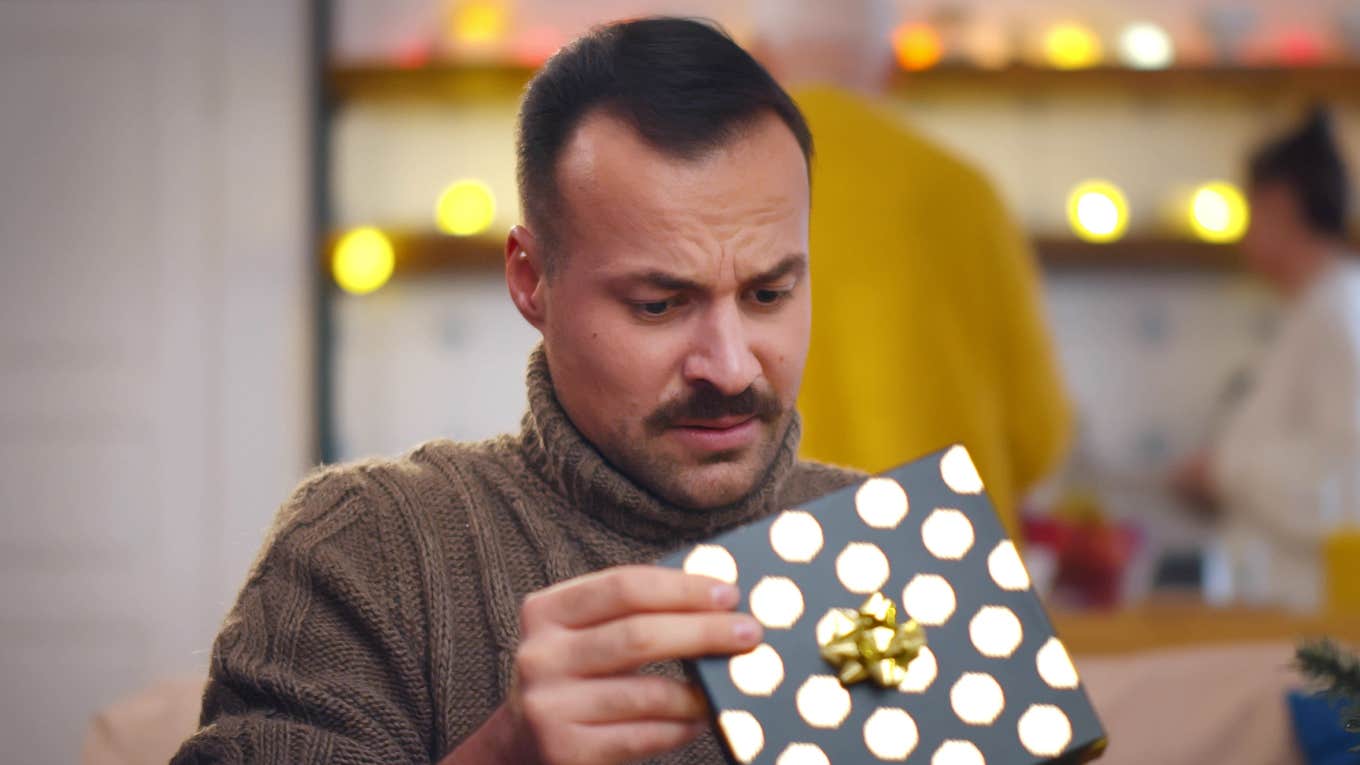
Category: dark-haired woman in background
<point>1284,469</point>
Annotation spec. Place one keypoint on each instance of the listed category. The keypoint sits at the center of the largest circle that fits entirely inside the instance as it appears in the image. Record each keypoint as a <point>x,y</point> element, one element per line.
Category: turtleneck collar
<point>573,466</point>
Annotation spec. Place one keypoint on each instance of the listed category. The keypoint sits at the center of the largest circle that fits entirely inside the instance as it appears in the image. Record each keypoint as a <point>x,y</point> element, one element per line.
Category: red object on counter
<point>1092,556</point>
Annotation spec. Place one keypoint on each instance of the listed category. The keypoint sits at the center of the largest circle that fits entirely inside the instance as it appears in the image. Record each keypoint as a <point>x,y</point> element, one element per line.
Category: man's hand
<point>577,695</point>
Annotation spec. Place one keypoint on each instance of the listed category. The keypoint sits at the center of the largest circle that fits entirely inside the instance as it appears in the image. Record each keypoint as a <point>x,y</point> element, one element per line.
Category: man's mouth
<point>720,423</point>
<point>723,434</point>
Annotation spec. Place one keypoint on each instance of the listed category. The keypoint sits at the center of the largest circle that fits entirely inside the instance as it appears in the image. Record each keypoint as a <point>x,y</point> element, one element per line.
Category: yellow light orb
<point>1098,211</point>
<point>1219,213</point>
<point>1072,46</point>
<point>917,46</point>
<point>1144,45</point>
<point>466,208</point>
<point>479,22</point>
<point>363,260</point>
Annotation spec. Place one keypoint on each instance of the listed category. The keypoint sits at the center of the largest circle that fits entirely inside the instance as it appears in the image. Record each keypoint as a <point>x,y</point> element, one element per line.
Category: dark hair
<point>683,85</point>
<point>1309,163</point>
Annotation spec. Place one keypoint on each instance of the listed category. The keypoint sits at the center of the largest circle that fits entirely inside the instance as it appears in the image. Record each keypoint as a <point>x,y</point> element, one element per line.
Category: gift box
<point>900,626</point>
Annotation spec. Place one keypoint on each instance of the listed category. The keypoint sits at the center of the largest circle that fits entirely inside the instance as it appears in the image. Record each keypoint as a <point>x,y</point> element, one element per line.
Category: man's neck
<point>1315,259</point>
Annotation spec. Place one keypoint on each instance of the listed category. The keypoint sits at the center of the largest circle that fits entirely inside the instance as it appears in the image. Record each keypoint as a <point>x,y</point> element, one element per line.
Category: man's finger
<point>627,644</point>
<point>622,591</point>
<point>630,698</point>
<point>633,741</point>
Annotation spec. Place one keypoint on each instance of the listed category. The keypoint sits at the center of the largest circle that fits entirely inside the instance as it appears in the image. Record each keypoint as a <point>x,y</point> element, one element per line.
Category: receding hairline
<point>557,202</point>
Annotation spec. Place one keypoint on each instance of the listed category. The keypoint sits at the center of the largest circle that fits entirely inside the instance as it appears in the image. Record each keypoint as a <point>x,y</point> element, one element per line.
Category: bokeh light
<point>1219,213</point>
<point>1144,45</point>
<point>918,46</point>
<point>1098,211</point>
<point>1072,46</point>
<point>478,23</point>
<point>465,208</point>
<point>363,260</point>
<point>1300,47</point>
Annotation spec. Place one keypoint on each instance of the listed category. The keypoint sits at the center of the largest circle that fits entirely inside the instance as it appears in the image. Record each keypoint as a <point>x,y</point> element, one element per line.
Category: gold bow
<point>869,643</point>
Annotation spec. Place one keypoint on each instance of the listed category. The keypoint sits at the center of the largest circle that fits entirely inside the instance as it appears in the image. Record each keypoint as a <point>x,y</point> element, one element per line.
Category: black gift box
<point>993,685</point>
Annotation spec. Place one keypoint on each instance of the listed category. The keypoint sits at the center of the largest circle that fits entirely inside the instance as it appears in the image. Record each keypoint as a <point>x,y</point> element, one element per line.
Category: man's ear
<point>525,275</point>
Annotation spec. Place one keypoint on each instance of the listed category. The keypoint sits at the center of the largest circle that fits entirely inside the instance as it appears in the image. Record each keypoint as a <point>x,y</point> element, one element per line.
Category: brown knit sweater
<point>380,622</point>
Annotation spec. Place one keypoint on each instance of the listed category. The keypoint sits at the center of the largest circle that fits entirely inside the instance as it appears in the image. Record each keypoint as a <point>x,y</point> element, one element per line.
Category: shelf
<point>426,253</point>
<point>449,82</point>
<point>1142,254</point>
<point>1340,82</point>
<point>430,83</point>
<point>420,254</point>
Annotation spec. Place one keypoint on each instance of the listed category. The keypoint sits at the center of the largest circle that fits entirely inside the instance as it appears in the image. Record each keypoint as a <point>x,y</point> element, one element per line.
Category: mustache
<point>708,403</point>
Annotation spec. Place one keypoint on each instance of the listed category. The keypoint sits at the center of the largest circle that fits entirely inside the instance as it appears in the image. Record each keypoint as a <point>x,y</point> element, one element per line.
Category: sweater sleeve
<point>321,659</point>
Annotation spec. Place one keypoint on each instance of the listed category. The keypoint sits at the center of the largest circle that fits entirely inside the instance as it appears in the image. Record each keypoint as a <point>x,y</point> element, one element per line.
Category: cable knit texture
<point>380,621</point>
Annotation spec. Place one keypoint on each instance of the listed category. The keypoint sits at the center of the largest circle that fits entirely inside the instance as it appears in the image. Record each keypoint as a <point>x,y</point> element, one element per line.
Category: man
<point>488,603</point>
<point>928,257</point>
<point>1285,470</point>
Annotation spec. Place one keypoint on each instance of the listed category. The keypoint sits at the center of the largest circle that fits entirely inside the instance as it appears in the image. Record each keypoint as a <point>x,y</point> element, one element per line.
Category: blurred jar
<point>1341,545</point>
<point>1341,566</point>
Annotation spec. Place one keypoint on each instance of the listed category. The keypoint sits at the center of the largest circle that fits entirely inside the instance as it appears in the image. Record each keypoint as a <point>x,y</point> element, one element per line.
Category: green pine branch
<point>1335,672</point>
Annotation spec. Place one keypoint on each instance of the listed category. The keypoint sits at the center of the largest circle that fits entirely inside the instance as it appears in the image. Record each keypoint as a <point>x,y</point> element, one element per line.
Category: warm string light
<point>478,23</point>
<point>466,208</point>
<point>1219,213</point>
<point>1072,46</point>
<point>363,260</point>
<point>917,46</point>
<point>1098,211</point>
<point>1144,45</point>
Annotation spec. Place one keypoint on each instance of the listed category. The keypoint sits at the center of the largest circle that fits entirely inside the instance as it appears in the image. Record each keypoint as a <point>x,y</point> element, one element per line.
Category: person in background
<point>1284,469</point>
<point>928,326</point>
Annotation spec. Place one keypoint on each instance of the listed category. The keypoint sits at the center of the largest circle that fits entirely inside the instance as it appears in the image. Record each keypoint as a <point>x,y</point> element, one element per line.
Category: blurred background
<point>242,238</point>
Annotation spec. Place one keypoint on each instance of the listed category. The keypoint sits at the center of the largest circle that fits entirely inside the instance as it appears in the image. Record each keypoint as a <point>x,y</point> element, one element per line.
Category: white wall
<point>442,358</point>
<point>154,352</point>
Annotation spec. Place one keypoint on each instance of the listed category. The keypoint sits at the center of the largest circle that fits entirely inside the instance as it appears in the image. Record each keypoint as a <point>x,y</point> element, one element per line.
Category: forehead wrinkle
<point>647,216</point>
<point>714,250</point>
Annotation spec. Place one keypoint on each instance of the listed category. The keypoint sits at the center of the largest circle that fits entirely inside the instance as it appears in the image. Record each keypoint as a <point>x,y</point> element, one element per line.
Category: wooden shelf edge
<point>432,83</point>
<point>1331,81</point>
<point>453,82</point>
<point>423,253</point>
<point>1150,254</point>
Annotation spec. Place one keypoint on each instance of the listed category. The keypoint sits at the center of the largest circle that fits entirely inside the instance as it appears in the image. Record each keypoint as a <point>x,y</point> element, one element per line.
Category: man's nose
<point>721,354</point>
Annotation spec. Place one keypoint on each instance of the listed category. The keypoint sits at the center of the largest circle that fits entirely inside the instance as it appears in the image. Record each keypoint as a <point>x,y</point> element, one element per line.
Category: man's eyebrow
<point>794,264</point>
<point>661,280</point>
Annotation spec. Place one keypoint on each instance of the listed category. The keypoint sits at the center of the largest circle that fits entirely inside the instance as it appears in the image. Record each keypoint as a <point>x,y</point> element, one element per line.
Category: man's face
<point>676,324</point>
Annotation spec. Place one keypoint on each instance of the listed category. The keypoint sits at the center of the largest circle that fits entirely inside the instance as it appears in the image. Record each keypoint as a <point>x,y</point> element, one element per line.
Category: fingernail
<point>746,630</point>
<point>725,595</point>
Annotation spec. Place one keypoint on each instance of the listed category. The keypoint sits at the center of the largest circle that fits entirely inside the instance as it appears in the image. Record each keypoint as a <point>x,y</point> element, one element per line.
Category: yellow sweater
<point>927,321</point>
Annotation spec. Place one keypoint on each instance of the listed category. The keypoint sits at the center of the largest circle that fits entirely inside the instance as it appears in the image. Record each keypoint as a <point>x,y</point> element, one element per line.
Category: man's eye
<point>654,308</point>
<point>769,297</point>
